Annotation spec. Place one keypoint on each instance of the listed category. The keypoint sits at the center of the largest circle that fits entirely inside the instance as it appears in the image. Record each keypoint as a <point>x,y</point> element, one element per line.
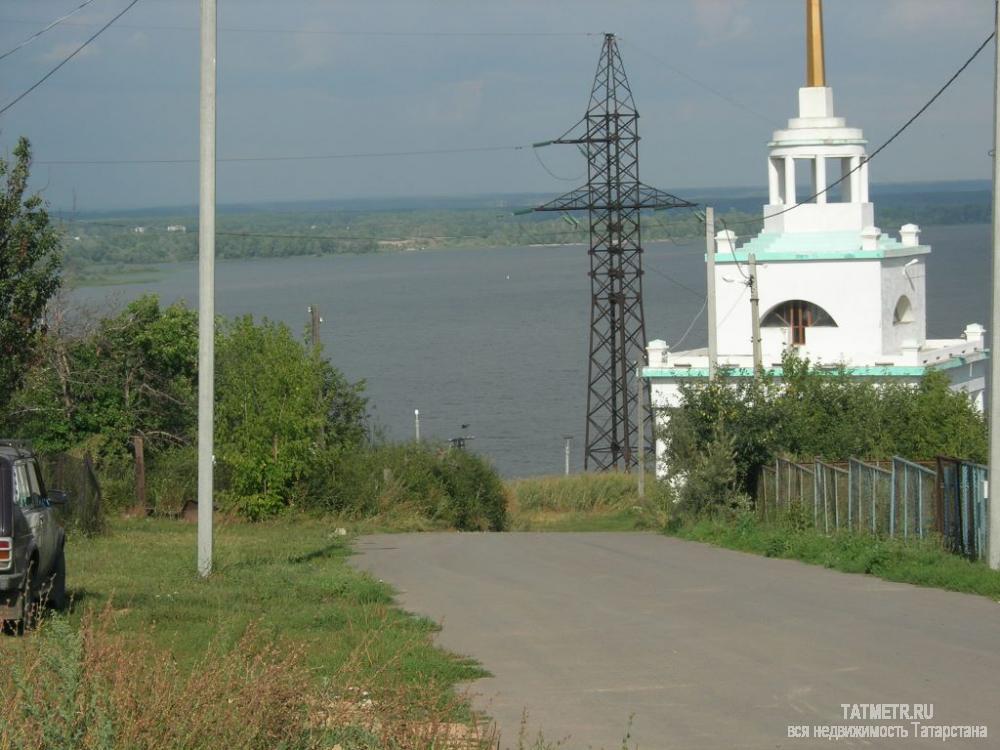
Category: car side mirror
<point>58,497</point>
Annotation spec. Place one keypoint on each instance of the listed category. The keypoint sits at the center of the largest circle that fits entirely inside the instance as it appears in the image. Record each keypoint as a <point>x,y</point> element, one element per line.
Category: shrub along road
<point>704,647</point>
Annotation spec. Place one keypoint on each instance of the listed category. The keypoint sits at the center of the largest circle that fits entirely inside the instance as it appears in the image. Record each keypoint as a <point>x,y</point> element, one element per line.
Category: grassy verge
<point>584,502</point>
<point>920,562</point>
<point>283,633</point>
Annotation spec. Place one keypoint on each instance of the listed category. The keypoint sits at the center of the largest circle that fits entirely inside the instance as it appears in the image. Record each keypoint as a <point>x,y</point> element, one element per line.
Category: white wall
<point>850,291</point>
<point>897,281</point>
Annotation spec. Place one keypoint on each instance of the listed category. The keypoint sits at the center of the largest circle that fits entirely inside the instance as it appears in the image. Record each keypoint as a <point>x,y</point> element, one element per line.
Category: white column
<point>856,180</point>
<point>848,185</point>
<point>864,182</point>
<point>790,181</point>
<point>819,172</point>
<point>773,182</point>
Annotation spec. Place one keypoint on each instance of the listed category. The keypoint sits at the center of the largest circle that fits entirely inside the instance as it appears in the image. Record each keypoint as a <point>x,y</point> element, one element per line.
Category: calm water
<point>497,338</point>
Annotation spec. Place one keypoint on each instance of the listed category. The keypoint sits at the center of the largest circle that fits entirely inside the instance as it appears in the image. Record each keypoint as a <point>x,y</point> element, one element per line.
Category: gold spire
<point>815,65</point>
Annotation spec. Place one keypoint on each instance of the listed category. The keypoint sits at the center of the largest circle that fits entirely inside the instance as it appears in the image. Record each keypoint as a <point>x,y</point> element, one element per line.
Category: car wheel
<point>56,594</point>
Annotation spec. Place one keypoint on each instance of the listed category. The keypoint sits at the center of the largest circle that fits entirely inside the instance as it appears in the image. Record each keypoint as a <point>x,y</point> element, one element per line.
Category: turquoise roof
<point>772,246</point>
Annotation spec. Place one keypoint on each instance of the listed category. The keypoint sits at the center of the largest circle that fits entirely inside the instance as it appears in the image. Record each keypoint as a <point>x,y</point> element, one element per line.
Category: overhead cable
<point>66,59</point>
<point>52,25</point>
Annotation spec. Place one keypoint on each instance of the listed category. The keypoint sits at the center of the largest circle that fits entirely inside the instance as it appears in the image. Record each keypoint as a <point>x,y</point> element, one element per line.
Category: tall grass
<point>95,688</point>
<point>587,502</point>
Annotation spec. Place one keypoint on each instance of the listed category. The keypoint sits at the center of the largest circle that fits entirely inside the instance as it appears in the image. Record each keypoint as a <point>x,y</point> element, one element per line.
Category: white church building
<point>831,285</point>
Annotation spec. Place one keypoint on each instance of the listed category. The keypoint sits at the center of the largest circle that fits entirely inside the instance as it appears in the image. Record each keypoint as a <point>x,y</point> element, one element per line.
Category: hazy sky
<point>134,92</point>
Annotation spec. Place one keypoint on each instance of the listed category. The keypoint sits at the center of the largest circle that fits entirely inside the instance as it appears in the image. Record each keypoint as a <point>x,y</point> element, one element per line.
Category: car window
<point>22,487</point>
<point>36,490</point>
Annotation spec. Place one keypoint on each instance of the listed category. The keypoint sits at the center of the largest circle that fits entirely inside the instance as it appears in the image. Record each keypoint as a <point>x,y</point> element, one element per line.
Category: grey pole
<point>640,419</point>
<point>713,353</point>
<point>206,288</point>
<point>993,542</point>
<point>758,358</point>
<point>416,424</point>
<point>314,323</point>
<point>568,439</point>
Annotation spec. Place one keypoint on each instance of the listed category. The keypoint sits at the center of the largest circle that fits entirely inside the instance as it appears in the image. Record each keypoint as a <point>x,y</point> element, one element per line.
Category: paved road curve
<point>704,647</point>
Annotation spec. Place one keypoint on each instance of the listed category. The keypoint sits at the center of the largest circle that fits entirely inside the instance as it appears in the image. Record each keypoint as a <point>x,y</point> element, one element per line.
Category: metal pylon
<point>614,199</point>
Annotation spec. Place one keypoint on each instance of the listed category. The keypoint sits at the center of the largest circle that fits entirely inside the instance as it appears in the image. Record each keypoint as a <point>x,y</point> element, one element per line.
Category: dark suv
<point>32,560</point>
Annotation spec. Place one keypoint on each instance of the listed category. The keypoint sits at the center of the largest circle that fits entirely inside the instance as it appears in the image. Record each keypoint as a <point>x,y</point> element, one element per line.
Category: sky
<point>711,78</point>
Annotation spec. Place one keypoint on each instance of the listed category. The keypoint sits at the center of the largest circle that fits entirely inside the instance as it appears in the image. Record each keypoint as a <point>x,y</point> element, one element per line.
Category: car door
<point>48,542</point>
<point>30,509</point>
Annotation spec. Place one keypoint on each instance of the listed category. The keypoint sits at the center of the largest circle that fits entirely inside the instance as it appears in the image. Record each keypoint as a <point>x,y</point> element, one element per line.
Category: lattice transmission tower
<point>614,198</point>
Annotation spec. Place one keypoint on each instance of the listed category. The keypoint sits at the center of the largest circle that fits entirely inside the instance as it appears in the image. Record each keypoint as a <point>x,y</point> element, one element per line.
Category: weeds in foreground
<point>91,688</point>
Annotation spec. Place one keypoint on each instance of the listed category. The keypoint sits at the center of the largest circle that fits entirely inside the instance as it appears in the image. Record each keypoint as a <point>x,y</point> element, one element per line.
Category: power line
<point>711,89</point>
<point>879,150</point>
<point>52,25</point>
<point>334,32</point>
<point>694,320</point>
<point>299,157</point>
<point>66,59</point>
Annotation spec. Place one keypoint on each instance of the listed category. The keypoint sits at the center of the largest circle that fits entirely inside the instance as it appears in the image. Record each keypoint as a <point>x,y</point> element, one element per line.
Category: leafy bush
<point>278,406</point>
<point>723,431</point>
<point>447,487</point>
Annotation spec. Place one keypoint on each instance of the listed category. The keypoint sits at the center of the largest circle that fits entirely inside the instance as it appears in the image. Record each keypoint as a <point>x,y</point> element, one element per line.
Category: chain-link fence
<point>898,498</point>
<point>76,477</point>
<point>962,505</point>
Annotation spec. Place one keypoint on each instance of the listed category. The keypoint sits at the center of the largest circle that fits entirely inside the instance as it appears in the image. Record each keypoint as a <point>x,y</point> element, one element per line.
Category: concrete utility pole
<point>568,439</point>
<point>314,323</point>
<point>640,420</point>
<point>713,353</point>
<point>993,495</point>
<point>416,424</point>
<point>206,289</point>
<point>758,363</point>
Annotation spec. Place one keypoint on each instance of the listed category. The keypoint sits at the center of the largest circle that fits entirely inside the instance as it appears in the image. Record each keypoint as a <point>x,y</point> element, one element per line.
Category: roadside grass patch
<point>287,577</point>
<point>586,502</point>
<point>921,562</point>
<point>285,645</point>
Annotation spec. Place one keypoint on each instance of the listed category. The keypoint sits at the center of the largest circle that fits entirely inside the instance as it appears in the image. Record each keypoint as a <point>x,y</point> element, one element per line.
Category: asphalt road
<point>702,647</point>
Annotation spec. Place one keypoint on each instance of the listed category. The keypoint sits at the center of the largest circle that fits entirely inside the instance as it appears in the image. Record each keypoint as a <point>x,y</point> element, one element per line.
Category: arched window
<point>903,312</point>
<point>797,315</point>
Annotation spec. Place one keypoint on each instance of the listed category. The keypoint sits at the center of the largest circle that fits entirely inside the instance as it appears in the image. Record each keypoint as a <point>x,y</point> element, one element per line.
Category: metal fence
<point>75,477</point>
<point>961,505</point>
<point>897,498</point>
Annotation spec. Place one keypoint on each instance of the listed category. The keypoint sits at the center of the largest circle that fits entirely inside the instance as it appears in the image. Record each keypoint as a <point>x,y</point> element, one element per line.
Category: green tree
<point>279,408</point>
<point>30,260</point>
<point>131,374</point>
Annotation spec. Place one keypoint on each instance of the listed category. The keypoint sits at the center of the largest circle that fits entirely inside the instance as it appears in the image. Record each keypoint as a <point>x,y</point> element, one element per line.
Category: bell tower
<point>816,149</point>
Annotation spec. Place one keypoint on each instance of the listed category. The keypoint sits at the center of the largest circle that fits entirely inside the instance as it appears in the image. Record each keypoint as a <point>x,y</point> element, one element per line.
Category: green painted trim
<point>890,371</point>
<point>830,142</point>
<point>742,256</point>
<point>885,371</point>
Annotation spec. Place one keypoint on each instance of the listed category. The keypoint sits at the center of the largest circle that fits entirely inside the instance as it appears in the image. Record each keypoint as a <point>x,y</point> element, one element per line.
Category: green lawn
<point>289,577</point>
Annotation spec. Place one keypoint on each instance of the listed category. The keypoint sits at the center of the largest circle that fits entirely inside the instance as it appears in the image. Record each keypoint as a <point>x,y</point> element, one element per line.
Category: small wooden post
<point>140,476</point>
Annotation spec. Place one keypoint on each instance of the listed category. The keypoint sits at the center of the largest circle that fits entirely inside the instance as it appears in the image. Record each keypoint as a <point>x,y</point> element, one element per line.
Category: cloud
<point>932,15</point>
<point>457,103</point>
<point>59,52</point>
<point>721,20</point>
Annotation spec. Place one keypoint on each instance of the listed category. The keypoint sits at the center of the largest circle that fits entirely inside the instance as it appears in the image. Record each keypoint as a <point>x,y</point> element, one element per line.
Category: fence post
<point>850,493</point>
<point>892,499</point>
<point>906,502</point>
<point>139,509</point>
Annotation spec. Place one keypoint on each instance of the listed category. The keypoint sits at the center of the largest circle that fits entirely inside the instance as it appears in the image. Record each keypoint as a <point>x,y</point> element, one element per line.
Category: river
<point>497,338</point>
